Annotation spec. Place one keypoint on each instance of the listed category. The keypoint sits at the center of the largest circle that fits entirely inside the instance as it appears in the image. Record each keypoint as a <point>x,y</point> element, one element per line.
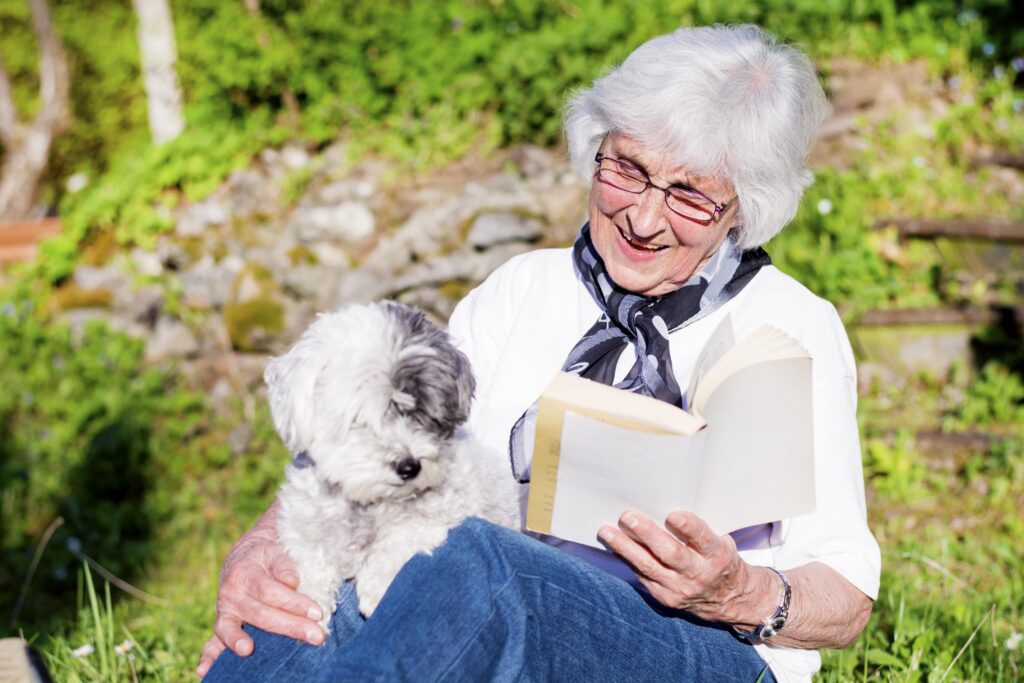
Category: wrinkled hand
<point>257,586</point>
<point>687,566</point>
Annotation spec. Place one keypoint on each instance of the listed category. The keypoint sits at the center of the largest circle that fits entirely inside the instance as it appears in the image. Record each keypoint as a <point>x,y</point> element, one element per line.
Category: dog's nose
<point>408,468</point>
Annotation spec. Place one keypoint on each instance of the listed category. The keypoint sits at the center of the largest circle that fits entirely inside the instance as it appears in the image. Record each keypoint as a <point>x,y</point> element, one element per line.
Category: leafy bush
<point>82,428</point>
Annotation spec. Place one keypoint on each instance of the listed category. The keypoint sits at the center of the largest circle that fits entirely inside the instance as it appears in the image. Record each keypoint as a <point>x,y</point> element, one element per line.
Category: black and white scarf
<point>646,322</point>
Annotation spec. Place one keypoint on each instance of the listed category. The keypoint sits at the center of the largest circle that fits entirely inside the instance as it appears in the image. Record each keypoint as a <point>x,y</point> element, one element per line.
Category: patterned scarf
<point>646,322</point>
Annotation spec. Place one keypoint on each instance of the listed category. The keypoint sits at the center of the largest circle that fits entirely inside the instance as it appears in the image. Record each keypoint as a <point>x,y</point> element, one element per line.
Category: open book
<point>742,454</point>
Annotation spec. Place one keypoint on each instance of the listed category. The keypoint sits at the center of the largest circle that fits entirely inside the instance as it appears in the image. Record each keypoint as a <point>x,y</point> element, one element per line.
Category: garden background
<point>338,150</point>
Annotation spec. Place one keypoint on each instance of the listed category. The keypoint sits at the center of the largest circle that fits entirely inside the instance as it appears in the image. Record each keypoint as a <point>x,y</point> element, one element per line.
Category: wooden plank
<point>19,240</point>
<point>1000,158</point>
<point>935,442</point>
<point>963,228</point>
<point>14,253</point>
<point>974,315</point>
<point>28,231</point>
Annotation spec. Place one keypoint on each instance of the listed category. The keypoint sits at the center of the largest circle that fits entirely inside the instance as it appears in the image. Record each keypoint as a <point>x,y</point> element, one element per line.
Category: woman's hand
<point>257,586</point>
<point>686,566</point>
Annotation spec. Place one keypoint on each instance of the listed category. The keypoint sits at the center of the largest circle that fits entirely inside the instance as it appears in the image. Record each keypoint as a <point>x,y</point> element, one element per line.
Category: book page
<point>618,406</point>
<point>722,339</point>
<point>765,344</point>
<point>759,452</point>
<point>608,405</point>
<point>604,469</point>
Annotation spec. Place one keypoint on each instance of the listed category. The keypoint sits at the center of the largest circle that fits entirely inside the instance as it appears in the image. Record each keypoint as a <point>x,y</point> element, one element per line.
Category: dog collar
<point>302,460</point>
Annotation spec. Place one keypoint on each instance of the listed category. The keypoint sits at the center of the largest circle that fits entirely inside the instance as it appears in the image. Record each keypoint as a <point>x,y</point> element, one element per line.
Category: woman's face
<point>647,248</point>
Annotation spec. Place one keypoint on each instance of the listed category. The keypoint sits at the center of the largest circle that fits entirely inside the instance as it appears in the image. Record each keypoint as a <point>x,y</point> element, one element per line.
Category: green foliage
<point>995,397</point>
<point>84,432</point>
<point>426,82</point>
<point>831,248</point>
<point>108,104</point>
<point>949,528</point>
<point>134,199</point>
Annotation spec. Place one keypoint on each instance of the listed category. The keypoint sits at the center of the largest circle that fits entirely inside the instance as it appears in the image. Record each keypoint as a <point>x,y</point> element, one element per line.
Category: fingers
<point>263,606</point>
<point>283,597</point>
<point>247,583</point>
<point>214,646</point>
<point>693,531</point>
<point>643,545</point>
<point>228,628</point>
<point>283,569</point>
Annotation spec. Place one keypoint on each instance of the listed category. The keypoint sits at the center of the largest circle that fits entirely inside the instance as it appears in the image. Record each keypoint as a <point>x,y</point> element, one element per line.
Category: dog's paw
<point>370,593</point>
<point>368,601</point>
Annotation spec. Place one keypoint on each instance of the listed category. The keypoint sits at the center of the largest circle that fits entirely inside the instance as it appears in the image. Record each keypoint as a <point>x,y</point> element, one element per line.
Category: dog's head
<point>373,394</point>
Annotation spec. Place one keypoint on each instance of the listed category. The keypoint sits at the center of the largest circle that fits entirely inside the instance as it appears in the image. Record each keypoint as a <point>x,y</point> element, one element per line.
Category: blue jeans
<point>495,605</point>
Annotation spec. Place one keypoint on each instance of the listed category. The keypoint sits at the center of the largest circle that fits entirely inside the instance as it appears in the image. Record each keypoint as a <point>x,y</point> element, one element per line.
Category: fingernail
<point>677,520</point>
<point>604,533</point>
<point>242,647</point>
<point>315,636</point>
<point>315,613</point>
<point>630,520</point>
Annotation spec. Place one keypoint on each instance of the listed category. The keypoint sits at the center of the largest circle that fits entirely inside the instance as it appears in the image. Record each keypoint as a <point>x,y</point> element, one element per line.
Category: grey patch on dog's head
<point>439,378</point>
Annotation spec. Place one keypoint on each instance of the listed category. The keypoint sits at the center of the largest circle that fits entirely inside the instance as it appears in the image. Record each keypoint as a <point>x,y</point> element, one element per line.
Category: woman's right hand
<point>257,587</point>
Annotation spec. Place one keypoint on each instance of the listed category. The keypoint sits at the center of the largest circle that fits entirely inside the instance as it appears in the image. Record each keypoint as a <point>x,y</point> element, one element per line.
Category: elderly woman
<point>695,148</point>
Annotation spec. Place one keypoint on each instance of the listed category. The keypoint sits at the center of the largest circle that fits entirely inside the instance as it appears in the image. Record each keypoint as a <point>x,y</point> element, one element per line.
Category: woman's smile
<point>636,249</point>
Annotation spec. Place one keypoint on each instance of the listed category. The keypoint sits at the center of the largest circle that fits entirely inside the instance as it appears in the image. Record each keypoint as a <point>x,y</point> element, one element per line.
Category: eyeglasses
<point>690,204</point>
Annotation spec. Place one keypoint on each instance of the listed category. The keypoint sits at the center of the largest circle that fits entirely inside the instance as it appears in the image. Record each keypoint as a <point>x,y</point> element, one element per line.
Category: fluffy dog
<point>371,401</point>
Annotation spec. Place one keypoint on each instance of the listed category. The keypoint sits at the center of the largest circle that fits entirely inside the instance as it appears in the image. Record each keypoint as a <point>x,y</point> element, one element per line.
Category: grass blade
<point>977,628</point>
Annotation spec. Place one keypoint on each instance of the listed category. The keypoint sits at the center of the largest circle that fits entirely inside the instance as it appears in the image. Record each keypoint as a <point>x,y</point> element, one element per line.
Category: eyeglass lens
<point>629,179</point>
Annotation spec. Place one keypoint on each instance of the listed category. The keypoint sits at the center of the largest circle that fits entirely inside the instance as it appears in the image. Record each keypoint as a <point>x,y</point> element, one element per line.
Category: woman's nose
<point>646,218</point>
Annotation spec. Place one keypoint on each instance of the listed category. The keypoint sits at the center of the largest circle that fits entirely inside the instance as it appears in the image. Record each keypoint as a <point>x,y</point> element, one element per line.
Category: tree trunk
<point>27,146</point>
<point>159,56</point>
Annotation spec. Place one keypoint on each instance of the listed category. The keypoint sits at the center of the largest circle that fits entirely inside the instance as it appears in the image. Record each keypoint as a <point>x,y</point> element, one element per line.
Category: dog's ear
<point>430,371</point>
<point>291,384</point>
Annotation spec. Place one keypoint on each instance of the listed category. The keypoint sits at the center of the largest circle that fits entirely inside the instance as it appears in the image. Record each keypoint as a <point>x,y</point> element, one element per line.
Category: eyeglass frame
<point>713,216</point>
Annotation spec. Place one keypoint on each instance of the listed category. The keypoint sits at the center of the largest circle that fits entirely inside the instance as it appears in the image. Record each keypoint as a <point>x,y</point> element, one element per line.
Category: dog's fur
<point>371,400</point>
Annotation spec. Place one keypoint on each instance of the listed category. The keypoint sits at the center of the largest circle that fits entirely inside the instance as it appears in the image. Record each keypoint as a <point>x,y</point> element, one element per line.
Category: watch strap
<point>773,624</point>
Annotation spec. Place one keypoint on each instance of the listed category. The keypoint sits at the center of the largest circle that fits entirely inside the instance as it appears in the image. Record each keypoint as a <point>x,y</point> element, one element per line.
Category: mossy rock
<point>300,254</point>
<point>251,324</point>
<point>455,290</point>
<point>70,296</point>
<point>254,281</point>
<point>100,248</point>
<point>194,247</point>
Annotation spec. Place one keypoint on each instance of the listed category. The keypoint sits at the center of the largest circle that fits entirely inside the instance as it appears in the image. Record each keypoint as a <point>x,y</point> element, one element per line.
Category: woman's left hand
<point>687,566</point>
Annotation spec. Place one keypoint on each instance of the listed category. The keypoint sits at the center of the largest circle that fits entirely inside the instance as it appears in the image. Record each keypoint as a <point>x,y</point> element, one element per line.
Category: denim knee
<point>484,545</point>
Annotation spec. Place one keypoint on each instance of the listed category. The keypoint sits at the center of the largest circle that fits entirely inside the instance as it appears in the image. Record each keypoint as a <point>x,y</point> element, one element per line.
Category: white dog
<point>370,401</point>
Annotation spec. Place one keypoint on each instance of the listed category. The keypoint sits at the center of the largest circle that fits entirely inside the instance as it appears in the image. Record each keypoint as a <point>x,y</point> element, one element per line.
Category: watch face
<point>767,632</point>
<point>777,623</point>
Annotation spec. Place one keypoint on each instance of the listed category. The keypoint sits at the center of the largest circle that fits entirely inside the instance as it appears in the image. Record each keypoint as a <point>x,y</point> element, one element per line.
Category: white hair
<point>724,101</point>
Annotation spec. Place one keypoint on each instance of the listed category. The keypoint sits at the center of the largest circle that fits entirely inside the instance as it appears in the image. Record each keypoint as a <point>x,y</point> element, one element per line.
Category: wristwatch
<point>773,624</point>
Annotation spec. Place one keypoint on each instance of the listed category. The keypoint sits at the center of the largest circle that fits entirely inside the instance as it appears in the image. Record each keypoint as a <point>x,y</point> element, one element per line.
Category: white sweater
<point>519,325</point>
